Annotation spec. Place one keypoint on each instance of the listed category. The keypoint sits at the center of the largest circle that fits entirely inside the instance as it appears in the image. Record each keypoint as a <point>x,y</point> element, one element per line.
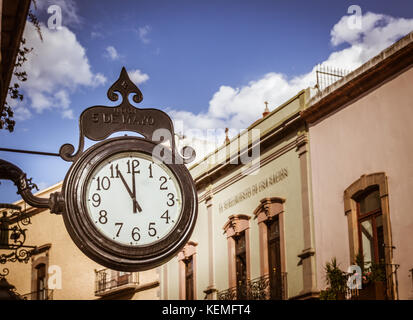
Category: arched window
<point>366,205</point>
<point>39,270</point>
<point>187,272</point>
<point>270,223</point>
<point>238,235</point>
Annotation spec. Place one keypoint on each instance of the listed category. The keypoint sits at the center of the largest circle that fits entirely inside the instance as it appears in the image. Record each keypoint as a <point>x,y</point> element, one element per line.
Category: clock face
<point>132,199</point>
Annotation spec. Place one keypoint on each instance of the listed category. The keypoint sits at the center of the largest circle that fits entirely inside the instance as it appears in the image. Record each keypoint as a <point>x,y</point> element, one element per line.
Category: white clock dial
<point>132,199</point>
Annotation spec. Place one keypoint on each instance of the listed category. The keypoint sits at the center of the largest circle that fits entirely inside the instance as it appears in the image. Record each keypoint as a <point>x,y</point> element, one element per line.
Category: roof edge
<point>374,72</point>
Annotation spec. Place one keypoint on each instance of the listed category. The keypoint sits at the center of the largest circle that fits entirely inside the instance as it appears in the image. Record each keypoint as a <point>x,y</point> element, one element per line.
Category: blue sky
<point>209,64</point>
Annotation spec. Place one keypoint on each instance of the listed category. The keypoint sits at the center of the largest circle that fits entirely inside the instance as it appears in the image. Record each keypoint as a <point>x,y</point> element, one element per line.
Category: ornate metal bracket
<point>9,171</point>
<point>13,235</point>
<point>99,122</point>
<point>4,273</point>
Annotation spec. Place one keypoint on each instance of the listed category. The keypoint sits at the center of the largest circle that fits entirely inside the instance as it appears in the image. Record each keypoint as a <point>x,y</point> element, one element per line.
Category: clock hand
<point>135,203</point>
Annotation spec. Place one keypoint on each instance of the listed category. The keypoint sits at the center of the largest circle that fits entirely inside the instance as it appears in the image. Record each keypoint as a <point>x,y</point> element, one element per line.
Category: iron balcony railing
<point>46,294</point>
<point>110,281</point>
<point>260,288</point>
<point>378,288</point>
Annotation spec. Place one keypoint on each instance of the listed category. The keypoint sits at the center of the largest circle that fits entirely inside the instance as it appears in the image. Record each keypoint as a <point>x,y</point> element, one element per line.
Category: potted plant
<point>373,280</point>
<point>336,280</point>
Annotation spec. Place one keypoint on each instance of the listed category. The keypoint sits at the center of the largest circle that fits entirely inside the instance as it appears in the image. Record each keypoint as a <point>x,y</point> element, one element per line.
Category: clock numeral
<point>135,164</point>
<point>166,216</point>
<point>112,171</point>
<point>96,198</point>
<point>171,199</point>
<point>104,183</point>
<point>120,224</point>
<point>162,187</point>
<point>135,234</point>
<point>103,219</point>
<point>151,229</point>
<point>150,171</point>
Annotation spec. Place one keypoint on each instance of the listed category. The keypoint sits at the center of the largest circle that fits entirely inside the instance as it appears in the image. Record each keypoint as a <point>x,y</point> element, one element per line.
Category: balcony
<point>257,289</point>
<point>46,294</point>
<point>371,291</point>
<point>109,282</point>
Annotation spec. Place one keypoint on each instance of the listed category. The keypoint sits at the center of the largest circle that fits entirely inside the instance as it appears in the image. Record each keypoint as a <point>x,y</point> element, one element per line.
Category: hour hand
<point>136,206</point>
<point>133,197</point>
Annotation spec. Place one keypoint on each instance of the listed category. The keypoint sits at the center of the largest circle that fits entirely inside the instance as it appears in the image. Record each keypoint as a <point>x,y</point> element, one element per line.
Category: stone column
<point>210,291</point>
<point>307,256</point>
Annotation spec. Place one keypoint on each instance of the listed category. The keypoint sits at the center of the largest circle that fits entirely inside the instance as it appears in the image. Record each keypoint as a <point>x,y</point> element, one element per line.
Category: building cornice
<point>267,140</point>
<point>373,73</point>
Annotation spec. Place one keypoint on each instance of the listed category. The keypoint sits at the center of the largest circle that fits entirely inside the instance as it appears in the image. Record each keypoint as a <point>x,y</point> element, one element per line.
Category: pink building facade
<point>361,148</point>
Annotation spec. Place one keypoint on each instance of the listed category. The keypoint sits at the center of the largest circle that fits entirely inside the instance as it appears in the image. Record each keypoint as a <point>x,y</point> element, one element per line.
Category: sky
<point>210,64</point>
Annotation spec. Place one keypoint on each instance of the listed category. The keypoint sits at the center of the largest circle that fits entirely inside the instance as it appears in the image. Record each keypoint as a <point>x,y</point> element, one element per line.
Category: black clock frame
<point>98,247</point>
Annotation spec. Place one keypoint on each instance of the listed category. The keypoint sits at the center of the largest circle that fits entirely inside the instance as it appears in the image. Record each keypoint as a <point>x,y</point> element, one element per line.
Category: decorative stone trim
<point>41,256</point>
<point>235,225</point>
<point>210,291</point>
<point>269,208</point>
<point>188,252</point>
<point>350,208</point>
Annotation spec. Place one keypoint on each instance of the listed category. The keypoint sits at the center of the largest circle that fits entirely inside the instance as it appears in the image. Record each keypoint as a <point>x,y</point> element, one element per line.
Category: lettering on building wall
<point>254,189</point>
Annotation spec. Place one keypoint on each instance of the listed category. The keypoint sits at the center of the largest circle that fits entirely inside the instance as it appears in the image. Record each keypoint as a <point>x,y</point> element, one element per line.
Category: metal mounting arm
<point>9,171</point>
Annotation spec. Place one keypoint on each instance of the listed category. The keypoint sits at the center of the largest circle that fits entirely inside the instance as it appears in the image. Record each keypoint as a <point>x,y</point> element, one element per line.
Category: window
<point>41,293</point>
<point>122,277</point>
<point>237,232</point>
<point>370,227</point>
<point>270,218</point>
<point>274,258</point>
<point>187,271</point>
<point>39,275</point>
<point>189,278</point>
<point>241,265</point>
<point>366,205</point>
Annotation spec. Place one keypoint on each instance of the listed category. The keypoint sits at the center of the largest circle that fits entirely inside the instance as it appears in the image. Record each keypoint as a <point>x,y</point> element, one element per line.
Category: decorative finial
<point>125,87</point>
<point>266,110</point>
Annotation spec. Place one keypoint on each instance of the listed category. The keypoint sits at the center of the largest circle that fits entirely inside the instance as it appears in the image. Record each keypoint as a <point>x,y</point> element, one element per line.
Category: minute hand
<point>135,203</point>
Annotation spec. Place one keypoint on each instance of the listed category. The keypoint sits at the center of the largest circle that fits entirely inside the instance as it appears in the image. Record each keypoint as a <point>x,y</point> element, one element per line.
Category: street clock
<point>128,203</point>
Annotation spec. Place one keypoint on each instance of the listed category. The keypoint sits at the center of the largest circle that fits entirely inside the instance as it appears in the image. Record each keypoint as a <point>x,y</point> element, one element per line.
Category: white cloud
<point>69,9</point>
<point>143,33</point>
<point>68,114</point>
<point>20,110</point>
<point>137,76</point>
<point>239,107</point>
<point>111,53</point>
<point>96,34</point>
<point>21,113</point>
<point>377,32</point>
<point>98,80</point>
<point>63,97</point>
<point>56,67</point>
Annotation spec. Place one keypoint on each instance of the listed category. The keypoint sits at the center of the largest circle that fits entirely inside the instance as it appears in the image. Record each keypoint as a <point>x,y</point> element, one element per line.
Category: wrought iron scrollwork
<point>4,273</point>
<point>9,171</point>
<point>24,185</point>
<point>13,235</point>
<point>256,289</point>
